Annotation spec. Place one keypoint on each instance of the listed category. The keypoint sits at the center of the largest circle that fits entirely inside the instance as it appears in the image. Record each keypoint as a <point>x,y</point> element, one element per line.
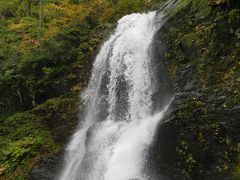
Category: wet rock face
<point>48,167</point>
<point>198,138</point>
<point>163,157</point>
<point>163,86</point>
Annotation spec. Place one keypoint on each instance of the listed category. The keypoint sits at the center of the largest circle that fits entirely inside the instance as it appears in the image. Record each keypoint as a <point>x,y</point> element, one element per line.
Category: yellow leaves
<point>28,43</point>
<point>107,14</point>
<point>55,26</point>
<point>64,10</point>
<point>17,27</point>
<point>99,3</point>
<point>229,76</point>
<point>25,25</point>
<point>31,41</point>
<point>78,88</point>
<point>51,32</point>
<point>28,28</point>
<point>60,15</point>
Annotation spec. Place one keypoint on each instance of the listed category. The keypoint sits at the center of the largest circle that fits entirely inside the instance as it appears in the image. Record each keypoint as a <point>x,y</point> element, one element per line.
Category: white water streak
<point>115,148</point>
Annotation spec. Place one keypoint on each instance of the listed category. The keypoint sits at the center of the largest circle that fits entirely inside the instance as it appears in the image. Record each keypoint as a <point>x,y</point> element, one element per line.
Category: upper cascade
<point>120,120</point>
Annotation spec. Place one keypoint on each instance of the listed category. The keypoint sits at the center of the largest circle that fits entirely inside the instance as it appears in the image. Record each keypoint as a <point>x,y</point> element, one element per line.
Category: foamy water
<point>119,123</point>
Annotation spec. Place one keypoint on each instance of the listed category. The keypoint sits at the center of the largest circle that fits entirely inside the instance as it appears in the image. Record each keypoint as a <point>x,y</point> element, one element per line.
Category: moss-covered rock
<point>23,140</point>
<point>199,138</point>
<point>28,137</point>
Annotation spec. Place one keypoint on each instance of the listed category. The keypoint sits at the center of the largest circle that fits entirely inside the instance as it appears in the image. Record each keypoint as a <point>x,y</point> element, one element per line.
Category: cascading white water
<point>119,122</point>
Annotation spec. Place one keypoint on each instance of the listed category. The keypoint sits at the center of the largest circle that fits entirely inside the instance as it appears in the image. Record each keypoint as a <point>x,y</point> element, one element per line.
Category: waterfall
<point>120,120</point>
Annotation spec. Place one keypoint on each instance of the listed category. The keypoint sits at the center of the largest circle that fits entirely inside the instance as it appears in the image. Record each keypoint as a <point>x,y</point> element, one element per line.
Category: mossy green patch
<point>207,38</point>
<point>23,137</point>
<point>27,137</point>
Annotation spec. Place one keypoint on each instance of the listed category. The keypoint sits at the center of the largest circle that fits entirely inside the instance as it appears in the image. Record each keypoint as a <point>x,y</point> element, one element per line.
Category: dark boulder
<point>48,168</point>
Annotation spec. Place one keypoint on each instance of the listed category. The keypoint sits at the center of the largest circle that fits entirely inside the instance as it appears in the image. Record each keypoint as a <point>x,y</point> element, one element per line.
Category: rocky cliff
<point>199,138</point>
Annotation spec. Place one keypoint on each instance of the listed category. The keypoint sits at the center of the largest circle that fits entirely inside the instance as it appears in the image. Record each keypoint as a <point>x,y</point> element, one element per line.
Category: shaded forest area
<point>46,51</point>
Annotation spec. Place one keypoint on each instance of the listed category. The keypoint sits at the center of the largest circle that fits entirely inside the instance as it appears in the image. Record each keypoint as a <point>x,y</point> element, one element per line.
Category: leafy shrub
<point>23,137</point>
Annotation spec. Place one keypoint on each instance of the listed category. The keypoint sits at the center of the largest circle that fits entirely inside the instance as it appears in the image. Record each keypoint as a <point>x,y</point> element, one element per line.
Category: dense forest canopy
<point>44,44</point>
<point>46,51</point>
<point>47,48</point>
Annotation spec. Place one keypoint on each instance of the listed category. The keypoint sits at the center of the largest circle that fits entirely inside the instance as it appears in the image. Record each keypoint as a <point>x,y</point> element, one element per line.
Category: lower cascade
<point>119,115</point>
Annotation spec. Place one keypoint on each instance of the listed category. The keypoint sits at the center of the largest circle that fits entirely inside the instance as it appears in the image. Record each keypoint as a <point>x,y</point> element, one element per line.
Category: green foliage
<point>27,137</point>
<point>207,38</point>
<point>127,5</point>
<point>58,106</point>
<point>204,135</point>
<point>123,7</point>
<point>59,112</point>
<point>46,71</point>
<point>187,162</point>
<point>22,137</point>
<point>237,173</point>
<point>40,63</point>
<point>46,52</point>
